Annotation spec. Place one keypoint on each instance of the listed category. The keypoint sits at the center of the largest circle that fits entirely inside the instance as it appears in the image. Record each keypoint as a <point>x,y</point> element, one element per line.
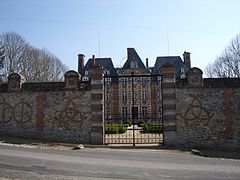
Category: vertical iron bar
<point>162,110</point>
<point>133,116</point>
<point>104,104</point>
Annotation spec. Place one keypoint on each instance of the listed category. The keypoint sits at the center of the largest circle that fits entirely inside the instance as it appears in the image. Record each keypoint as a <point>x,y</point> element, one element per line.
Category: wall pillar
<point>169,105</point>
<point>15,82</point>
<point>97,107</point>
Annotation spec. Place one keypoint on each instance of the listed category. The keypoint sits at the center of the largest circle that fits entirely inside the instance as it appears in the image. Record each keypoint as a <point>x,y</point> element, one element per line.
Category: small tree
<point>228,64</point>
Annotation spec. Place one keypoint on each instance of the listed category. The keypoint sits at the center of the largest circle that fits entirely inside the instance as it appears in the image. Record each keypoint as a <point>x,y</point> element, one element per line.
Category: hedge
<point>116,128</point>
<point>152,128</point>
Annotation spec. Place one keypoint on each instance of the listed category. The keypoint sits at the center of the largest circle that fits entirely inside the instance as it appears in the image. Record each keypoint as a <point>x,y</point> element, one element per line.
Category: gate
<point>133,109</point>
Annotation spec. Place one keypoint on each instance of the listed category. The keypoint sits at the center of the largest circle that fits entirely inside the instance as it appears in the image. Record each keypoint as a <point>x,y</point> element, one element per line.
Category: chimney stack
<point>80,63</point>
<point>147,62</point>
<point>93,60</point>
<point>187,59</point>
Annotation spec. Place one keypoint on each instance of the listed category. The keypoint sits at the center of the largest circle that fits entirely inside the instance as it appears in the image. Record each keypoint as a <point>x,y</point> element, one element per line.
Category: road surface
<point>104,163</point>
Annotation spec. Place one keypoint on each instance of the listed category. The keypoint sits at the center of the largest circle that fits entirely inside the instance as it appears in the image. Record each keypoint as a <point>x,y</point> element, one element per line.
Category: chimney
<point>80,63</point>
<point>187,59</point>
<point>147,62</point>
<point>93,60</point>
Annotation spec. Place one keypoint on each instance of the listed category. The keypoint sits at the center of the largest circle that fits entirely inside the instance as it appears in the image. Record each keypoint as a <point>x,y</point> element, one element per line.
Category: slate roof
<point>106,63</point>
<point>176,61</point>
<point>133,56</point>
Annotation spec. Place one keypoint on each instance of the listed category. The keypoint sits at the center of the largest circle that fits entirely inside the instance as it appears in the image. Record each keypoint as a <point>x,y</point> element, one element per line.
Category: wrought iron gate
<point>133,109</point>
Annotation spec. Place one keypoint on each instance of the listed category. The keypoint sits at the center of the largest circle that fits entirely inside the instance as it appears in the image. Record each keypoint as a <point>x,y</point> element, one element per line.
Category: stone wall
<point>208,117</point>
<point>62,111</point>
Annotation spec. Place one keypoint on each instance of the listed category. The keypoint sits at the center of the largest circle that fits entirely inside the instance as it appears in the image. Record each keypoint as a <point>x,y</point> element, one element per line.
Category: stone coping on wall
<point>44,86</point>
<point>213,83</point>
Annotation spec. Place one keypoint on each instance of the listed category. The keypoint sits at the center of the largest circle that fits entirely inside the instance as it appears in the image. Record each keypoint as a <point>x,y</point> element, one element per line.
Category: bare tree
<point>36,65</point>
<point>228,64</point>
<point>2,55</point>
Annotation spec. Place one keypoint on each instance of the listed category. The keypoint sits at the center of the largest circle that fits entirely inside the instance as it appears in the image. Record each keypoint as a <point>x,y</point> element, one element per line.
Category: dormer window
<point>133,65</point>
<point>85,78</point>
<point>182,70</point>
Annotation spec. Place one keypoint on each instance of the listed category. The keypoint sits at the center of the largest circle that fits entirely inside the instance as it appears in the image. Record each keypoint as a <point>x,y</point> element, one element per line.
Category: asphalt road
<point>103,163</point>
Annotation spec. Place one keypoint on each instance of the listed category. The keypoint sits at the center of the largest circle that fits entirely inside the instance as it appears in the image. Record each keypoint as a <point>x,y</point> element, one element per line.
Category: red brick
<point>170,128</point>
<point>97,96</point>
<point>168,75</point>
<point>169,117</point>
<point>97,129</point>
<point>96,107</point>
<point>168,85</point>
<point>97,86</point>
<point>228,133</point>
<point>169,96</point>
<point>169,106</point>
<point>40,114</point>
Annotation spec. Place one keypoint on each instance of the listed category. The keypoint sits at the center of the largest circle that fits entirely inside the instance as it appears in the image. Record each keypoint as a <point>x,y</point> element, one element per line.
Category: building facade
<point>134,85</point>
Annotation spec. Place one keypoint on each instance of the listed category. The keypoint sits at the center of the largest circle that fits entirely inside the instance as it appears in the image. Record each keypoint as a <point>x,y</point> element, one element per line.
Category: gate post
<point>97,107</point>
<point>169,105</point>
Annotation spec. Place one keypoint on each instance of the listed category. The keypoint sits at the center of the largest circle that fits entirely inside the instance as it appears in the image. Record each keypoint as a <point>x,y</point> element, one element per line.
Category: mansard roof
<point>132,56</point>
<point>106,63</point>
<point>175,61</point>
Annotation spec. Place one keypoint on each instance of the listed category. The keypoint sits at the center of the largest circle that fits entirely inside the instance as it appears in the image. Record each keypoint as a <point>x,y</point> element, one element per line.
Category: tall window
<point>109,113</point>
<point>144,95</point>
<point>108,81</point>
<point>108,96</point>
<point>124,112</point>
<point>159,79</point>
<point>144,111</point>
<point>144,80</point>
<point>124,81</point>
<point>160,112</point>
<point>124,95</point>
<point>159,96</point>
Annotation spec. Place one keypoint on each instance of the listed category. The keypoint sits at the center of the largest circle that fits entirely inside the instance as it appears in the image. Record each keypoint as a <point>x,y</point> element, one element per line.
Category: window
<point>133,65</point>
<point>124,81</point>
<point>144,112</point>
<point>124,112</point>
<point>183,76</point>
<point>160,96</point>
<point>160,112</point>
<point>108,97</point>
<point>86,73</point>
<point>108,81</point>
<point>124,95</point>
<point>182,70</point>
<point>144,80</point>
<point>159,79</point>
<point>85,78</point>
<point>144,95</point>
<point>109,113</point>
